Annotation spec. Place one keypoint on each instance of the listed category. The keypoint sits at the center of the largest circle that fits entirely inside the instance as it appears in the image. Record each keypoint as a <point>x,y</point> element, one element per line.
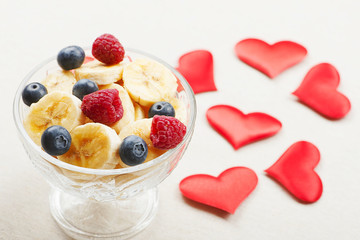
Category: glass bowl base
<point>83,218</point>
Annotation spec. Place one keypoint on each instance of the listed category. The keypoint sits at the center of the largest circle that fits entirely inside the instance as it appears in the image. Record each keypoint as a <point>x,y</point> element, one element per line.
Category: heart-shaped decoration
<point>225,192</point>
<point>197,67</point>
<point>240,129</point>
<point>318,90</point>
<point>295,171</point>
<point>270,59</point>
<point>88,59</point>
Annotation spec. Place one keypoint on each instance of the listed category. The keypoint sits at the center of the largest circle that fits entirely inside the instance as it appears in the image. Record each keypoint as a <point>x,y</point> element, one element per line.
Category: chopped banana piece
<point>180,109</point>
<point>148,82</point>
<point>139,112</point>
<point>55,108</point>
<point>100,73</point>
<point>93,145</point>
<point>59,81</point>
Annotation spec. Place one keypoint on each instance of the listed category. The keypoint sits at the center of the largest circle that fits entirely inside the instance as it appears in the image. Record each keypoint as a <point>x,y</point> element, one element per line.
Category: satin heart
<point>197,67</point>
<point>88,59</point>
<point>270,59</point>
<point>295,171</point>
<point>240,129</point>
<point>318,90</point>
<point>225,192</point>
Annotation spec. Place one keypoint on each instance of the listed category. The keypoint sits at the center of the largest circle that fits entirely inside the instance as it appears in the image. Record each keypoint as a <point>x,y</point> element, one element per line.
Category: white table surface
<point>31,31</point>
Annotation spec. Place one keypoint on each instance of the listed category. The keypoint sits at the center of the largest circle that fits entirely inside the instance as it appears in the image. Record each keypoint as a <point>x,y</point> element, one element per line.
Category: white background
<point>31,31</point>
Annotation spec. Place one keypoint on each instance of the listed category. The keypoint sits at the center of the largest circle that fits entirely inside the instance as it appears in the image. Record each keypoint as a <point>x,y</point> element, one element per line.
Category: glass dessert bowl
<point>103,203</point>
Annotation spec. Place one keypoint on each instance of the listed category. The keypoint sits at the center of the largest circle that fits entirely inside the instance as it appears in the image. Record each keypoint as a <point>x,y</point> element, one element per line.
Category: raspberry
<point>103,106</point>
<point>166,132</point>
<point>107,49</point>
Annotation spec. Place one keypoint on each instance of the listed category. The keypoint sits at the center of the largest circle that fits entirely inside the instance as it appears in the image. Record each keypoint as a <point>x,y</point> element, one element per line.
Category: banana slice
<point>55,108</point>
<point>100,73</point>
<point>129,111</point>
<point>148,82</point>
<point>180,110</point>
<point>59,81</point>
<point>93,145</point>
<point>141,128</point>
<point>139,112</point>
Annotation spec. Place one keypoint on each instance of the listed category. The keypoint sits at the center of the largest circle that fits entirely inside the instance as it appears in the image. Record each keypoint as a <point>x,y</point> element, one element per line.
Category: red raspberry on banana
<point>166,132</point>
<point>107,49</point>
<point>103,106</point>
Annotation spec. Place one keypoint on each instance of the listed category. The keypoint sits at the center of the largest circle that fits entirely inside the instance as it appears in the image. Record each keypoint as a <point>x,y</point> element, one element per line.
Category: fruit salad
<point>107,110</point>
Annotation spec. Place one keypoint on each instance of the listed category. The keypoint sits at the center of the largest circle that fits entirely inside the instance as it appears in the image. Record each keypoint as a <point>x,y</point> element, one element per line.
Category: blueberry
<point>71,57</point>
<point>56,140</point>
<point>33,92</point>
<point>133,150</point>
<point>84,87</point>
<point>161,108</point>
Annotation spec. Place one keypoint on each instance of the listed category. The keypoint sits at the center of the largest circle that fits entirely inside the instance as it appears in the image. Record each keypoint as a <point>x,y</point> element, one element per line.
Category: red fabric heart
<point>225,192</point>
<point>240,129</point>
<point>197,67</point>
<point>270,59</point>
<point>318,90</point>
<point>295,171</point>
<point>88,59</point>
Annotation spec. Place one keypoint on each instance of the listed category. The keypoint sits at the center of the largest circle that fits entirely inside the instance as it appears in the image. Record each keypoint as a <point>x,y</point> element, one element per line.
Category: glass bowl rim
<point>105,172</point>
